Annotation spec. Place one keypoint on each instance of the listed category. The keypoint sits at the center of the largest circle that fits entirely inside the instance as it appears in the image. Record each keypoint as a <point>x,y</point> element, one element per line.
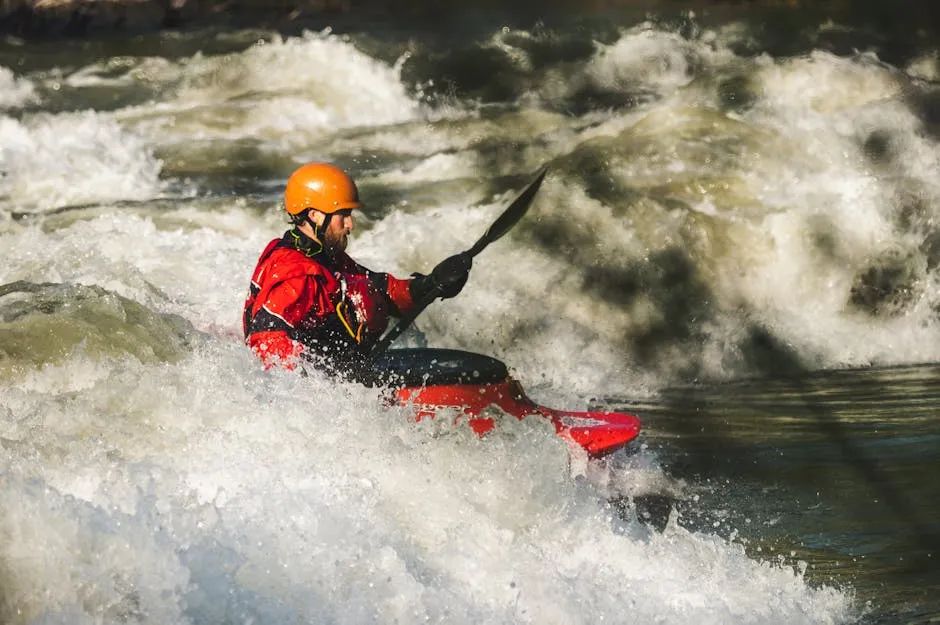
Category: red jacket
<point>304,302</point>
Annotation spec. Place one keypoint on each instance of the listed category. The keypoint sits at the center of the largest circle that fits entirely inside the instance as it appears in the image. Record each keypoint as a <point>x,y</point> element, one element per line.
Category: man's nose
<point>349,222</point>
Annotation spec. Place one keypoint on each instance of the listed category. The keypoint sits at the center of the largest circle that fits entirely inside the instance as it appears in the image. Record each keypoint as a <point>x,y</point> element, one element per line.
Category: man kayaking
<point>309,302</point>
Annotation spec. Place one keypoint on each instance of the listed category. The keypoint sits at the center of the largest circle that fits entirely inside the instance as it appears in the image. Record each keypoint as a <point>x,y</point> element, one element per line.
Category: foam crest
<point>323,83</point>
<point>166,268</point>
<point>14,92</point>
<point>826,82</point>
<point>52,161</point>
<point>864,163</point>
<point>215,490</point>
<point>649,60</point>
<point>441,166</point>
<point>796,231</point>
<point>925,67</point>
<point>125,71</point>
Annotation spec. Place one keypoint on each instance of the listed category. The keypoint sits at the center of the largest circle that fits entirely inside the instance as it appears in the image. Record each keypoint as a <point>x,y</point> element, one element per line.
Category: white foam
<point>646,59</point>
<point>763,190</point>
<point>826,82</point>
<point>14,91</point>
<point>322,83</point>
<point>198,272</point>
<point>124,71</point>
<point>195,492</point>
<point>925,67</point>
<point>73,158</point>
<point>822,109</point>
<point>435,168</point>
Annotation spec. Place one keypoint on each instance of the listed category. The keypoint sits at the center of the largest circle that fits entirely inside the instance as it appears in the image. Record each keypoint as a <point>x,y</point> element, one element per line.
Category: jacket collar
<point>304,244</point>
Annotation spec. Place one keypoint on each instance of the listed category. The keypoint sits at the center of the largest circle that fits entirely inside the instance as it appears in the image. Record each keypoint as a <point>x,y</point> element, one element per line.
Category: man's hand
<point>451,274</point>
<point>447,279</point>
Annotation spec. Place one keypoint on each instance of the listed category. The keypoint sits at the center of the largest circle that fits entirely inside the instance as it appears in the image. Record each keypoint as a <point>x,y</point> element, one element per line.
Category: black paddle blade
<point>511,216</point>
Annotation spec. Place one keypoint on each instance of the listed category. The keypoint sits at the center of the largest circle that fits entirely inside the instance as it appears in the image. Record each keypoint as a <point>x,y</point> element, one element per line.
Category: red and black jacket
<point>292,307</point>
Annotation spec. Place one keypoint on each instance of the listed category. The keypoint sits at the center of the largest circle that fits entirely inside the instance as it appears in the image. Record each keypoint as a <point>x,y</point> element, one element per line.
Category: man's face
<point>337,232</point>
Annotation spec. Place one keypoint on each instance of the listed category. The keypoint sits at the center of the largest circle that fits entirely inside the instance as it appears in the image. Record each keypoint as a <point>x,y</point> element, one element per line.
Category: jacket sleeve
<point>396,290</point>
<point>275,347</point>
<point>273,330</point>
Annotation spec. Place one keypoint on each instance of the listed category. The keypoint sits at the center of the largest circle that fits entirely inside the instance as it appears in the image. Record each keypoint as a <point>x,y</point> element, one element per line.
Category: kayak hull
<point>473,384</point>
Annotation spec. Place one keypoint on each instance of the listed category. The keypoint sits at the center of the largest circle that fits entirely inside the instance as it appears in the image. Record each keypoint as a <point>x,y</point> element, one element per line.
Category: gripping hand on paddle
<point>449,276</point>
<point>446,280</point>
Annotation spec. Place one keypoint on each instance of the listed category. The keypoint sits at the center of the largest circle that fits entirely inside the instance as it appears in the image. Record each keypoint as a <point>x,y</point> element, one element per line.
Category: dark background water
<point>448,40</point>
<point>834,469</point>
<point>897,30</point>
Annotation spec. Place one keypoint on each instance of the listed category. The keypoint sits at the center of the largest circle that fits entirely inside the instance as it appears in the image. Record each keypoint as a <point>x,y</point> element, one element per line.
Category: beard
<point>335,242</point>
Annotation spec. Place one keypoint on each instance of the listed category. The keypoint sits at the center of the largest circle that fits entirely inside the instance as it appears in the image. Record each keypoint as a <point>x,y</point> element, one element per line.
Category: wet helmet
<point>321,186</point>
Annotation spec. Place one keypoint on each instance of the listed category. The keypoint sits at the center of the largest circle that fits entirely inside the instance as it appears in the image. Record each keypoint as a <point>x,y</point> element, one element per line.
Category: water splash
<point>51,161</point>
<point>214,490</point>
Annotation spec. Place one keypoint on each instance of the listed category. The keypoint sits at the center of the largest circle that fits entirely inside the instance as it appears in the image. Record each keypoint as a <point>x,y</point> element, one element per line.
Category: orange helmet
<point>322,186</point>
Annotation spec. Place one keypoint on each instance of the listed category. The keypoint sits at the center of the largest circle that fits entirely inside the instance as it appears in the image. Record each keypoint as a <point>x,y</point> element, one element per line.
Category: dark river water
<point>738,238</point>
<point>830,469</point>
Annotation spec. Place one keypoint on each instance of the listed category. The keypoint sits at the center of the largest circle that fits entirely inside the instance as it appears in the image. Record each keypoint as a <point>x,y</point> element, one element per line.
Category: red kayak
<point>435,378</point>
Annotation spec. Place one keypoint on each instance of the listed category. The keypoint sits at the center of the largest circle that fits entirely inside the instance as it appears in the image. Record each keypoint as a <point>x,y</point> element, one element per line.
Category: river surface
<point>738,240</point>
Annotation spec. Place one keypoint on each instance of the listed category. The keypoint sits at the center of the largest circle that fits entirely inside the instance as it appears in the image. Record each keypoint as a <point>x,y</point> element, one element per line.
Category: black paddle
<point>501,226</point>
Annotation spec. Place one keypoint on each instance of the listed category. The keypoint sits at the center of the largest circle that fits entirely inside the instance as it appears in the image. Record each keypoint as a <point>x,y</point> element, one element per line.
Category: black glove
<point>447,279</point>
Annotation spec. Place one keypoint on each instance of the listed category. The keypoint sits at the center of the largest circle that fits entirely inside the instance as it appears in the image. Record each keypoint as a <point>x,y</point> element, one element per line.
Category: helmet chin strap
<point>320,230</point>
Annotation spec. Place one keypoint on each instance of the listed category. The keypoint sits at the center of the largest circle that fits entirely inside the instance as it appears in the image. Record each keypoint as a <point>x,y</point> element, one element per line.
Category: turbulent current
<point>742,247</point>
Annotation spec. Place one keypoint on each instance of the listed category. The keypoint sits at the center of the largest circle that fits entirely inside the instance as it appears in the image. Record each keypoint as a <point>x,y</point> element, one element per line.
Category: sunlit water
<point>712,214</point>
